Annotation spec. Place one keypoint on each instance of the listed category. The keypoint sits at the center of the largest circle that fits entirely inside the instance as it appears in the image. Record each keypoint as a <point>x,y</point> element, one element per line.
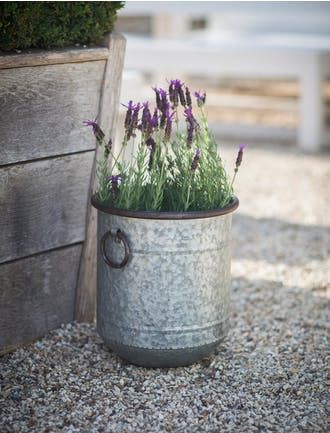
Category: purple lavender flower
<point>162,94</point>
<point>196,159</point>
<point>175,92</point>
<point>168,127</point>
<point>107,148</point>
<point>189,115</point>
<point>90,123</point>
<point>114,182</point>
<point>164,116</point>
<point>146,126</point>
<point>150,142</point>
<point>190,136</point>
<point>191,122</point>
<point>171,90</point>
<point>162,105</point>
<point>151,145</point>
<point>165,105</point>
<point>201,98</point>
<point>135,115</point>
<point>176,84</point>
<point>162,121</point>
<point>161,98</point>
<point>132,119</point>
<point>198,153</point>
<point>239,156</point>
<point>182,97</point>
<point>99,134</point>
<point>188,98</point>
<point>116,179</point>
<point>154,120</point>
<point>158,100</point>
<point>128,117</point>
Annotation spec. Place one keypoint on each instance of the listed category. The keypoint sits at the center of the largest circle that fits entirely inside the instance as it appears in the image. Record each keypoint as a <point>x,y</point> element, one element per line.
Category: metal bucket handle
<point>118,236</point>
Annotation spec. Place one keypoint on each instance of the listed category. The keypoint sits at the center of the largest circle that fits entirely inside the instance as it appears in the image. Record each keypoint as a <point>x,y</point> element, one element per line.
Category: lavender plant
<point>171,169</point>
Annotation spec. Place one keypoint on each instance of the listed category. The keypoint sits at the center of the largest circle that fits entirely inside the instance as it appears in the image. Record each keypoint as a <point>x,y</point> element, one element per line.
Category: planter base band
<point>161,358</point>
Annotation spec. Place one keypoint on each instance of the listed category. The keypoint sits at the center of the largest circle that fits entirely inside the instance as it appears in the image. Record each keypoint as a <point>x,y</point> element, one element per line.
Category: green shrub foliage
<point>54,24</point>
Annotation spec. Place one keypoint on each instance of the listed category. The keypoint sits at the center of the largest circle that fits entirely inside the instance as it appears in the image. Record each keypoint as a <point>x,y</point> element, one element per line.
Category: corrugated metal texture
<point>174,292</point>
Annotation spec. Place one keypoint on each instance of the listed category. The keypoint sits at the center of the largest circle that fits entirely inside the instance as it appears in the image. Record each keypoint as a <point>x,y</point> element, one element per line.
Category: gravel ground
<point>269,375</point>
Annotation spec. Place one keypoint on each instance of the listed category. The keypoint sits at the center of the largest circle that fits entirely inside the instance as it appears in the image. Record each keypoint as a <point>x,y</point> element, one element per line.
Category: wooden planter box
<point>46,161</point>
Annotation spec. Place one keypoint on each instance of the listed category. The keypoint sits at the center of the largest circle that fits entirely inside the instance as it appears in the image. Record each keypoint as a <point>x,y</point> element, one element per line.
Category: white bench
<point>241,39</point>
<point>273,56</point>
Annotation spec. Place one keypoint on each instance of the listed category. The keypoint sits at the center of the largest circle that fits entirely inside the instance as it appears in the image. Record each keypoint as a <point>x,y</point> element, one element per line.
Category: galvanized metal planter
<point>163,283</point>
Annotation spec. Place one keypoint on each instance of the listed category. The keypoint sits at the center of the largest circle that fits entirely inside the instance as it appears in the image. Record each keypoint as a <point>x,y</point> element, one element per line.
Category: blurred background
<point>264,65</point>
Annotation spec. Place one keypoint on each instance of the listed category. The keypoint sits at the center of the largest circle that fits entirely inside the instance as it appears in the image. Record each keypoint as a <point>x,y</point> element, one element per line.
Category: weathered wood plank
<point>86,287</point>
<point>43,204</point>
<point>54,57</point>
<point>42,109</point>
<point>36,295</point>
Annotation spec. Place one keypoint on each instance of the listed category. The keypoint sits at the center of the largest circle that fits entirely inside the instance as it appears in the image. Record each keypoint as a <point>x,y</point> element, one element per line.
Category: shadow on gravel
<point>277,241</point>
<point>283,319</point>
<point>274,299</point>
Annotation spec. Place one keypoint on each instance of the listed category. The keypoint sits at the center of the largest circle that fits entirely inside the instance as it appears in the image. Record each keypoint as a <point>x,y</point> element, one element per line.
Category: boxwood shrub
<point>54,24</point>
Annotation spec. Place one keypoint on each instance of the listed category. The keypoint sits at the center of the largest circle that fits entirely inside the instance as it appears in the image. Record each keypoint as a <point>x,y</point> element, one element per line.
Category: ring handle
<point>118,236</point>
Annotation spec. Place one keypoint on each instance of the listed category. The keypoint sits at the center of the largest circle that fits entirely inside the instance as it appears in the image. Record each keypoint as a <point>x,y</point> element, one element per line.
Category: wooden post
<point>311,127</point>
<point>108,111</point>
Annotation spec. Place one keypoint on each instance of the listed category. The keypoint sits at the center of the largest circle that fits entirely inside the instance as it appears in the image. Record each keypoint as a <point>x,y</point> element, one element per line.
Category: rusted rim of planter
<point>233,205</point>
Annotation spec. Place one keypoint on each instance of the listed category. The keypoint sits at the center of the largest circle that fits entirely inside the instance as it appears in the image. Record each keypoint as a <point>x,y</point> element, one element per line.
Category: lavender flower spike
<point>130,130</point>
<point>99,134</point>
<point>200,98</point>
<point>162,93</point>
<point>128,117</point>
<point>189,115</point>
<point>107,148</point>
<point>190,125</point>
<point>168,127</point>
<point>151,145</point>
<point>114,182</point>
<point>161,98</point>
<point>116,179</point>
<point>239,156</point>
<point>176,93</point>
<point>198,153</point>
<point>158,101</point>
<point>154,120</point>
<point>242,147</point>
<point>176,84</point>
<point>188,97</point>
<point>196,159</point>
<point>146,119</point>
<point>90,123</point>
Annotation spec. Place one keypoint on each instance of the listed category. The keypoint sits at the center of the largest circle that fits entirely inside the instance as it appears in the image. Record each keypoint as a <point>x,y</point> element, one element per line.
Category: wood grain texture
<point>109,104</point>
<point>42,109</point>
<point>43,204</point>
<point>54,57</point>
<point>36,295</point>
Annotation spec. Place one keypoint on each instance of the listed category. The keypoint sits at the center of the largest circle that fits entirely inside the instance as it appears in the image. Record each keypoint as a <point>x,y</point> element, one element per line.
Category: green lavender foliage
<point>206,188</point>
<point>48,25</point>
<point>170,183</point>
